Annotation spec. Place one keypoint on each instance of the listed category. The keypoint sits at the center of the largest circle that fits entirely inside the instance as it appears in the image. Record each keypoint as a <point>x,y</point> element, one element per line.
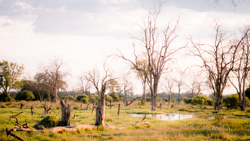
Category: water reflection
<point>172,117</point>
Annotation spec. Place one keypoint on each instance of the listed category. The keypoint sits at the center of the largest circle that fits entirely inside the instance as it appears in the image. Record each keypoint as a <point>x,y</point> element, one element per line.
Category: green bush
<point>173,100</point>
<point>114,96</point>
<point>49,121</point>
<point>210,102</point>
<point>142,102</point>
<point>83,97</point>
<point>166,100</point>
<point>148,99</point>
<point>159,99</point>
<point>202,99</point>
<point>187,100</point>
<point>233,100</point>
<point>93,98</point>
<point>25,95</point>
<point>5,97</point>
<point>108,98</point>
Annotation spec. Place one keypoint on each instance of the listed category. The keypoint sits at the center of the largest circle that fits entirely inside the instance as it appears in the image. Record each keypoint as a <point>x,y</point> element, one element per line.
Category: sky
<point>84,32</point>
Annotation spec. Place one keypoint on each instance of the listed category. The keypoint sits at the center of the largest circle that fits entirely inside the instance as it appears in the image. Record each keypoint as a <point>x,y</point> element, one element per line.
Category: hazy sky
<point>84,32</point>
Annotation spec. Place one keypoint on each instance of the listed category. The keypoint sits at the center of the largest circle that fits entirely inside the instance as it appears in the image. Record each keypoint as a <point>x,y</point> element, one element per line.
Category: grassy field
<point>236,128</point>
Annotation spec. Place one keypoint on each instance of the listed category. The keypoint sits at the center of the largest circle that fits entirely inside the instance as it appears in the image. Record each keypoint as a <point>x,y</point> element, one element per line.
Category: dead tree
<point>118,113</point>
<point>93,109</point>
<point>53,77</point>
<point>100,84</point>
<point>21,105</point>
<point>66,111</point>
<point>180,81</point>
<point>241,67</point>
<point>169,86</point>
<point>126,87</point>
<point>86,107</point>
<point>31,109</point>
<point>131,101</point>
<point>157,53</point>
<point>46,108</point>
<point>218,61</point>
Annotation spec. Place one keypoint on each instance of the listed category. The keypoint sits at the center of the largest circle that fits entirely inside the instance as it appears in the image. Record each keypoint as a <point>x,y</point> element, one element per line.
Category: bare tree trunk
<point>154,106</point>
<point>118,113</point>
<point>100,110</point>
<point>66,110</point>
<point>169,101</point>
<point>144,92</point>
<point>125,100</point>
<point>218,102</point>
<point>179,95</point>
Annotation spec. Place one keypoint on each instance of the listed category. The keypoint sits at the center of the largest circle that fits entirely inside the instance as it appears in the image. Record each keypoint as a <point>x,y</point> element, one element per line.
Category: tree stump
<point>65,110</point>
<point>21,105</point>
<point>100,115</point>
<point>31,109</point>
<point>118,113</point>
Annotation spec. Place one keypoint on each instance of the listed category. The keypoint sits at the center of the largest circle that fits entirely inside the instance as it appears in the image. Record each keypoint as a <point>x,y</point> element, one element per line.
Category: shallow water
<point>172,117</point>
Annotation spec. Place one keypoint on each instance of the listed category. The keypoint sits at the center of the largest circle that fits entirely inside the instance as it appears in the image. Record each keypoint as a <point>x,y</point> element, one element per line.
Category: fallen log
<point>27,128</point>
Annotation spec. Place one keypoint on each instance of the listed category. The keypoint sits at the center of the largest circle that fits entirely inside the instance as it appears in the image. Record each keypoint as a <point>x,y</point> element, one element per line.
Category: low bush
<point>202,99</point>
<point>48,121</point>
<point>233,100</point>
<point>25,95</point>
<point>108,98</point>
<point>115,96</point>
<point>187,100</point>
<point>5,97</point>
<point>148,99</point>
<point>83,97</point>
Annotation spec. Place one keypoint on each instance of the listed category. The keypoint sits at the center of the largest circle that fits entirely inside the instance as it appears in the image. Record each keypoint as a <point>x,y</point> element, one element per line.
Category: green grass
<point>237,127</point>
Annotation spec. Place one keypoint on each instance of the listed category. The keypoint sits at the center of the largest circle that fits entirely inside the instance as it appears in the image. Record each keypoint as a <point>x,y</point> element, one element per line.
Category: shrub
<point>166,100</point>
<point>173,100</point>
<point>83,97</point>
<point>148,99</point>
<point>25,95</point>
<point>142,102</point>
<point>210,102</point>
<point>187,100</point>
<point>108,98</point>
<point>71,98</point>
<point>49,121</point>
<point>159,99</point>
<point>233,100</point>
<point>93,98</point>
<point>114,96</point>
<point>202,99</point>
<point>5,97</point>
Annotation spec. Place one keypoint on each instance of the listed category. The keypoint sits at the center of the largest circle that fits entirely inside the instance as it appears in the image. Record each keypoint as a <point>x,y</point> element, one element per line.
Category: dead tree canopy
<point>218,61</point>
<point>241,69</point>
<point>157,52</point>
<point>100,83</point>
<point>53,76</point>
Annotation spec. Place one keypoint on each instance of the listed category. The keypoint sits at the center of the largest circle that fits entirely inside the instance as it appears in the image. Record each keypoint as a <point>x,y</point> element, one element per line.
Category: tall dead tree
<point>100,83</point>
<point>84,85</point>
<point>195,86</point>
<point>242,66</point>
<point>217,60</point>
<point>126,87</point>
<point>158,52</point>
<point>54,77</point>
<point>169,85</point>
<point>180,82</point>
<point>142,76</point>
